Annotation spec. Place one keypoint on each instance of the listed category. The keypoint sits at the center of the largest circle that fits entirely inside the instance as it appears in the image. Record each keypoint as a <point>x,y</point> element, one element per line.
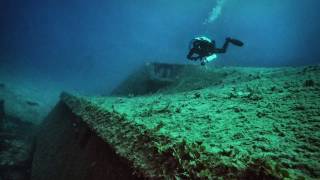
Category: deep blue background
<point>95,44</point>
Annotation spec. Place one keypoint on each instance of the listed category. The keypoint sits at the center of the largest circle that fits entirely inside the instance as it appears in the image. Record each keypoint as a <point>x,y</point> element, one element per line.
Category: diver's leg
<point>224,47</point>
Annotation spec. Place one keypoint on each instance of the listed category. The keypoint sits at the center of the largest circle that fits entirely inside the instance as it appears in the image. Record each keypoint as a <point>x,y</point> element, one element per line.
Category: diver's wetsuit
<point>205,49</point>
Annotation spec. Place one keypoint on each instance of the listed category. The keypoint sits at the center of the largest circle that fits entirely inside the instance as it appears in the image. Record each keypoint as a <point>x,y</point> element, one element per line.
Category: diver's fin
<point>236,42</point>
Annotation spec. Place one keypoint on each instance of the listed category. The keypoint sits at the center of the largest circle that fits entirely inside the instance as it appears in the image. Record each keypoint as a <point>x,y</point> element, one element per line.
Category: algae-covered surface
<point>251,123</point>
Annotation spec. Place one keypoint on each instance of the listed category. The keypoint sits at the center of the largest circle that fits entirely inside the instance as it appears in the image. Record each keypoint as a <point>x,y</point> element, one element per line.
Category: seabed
<point>187,122</point>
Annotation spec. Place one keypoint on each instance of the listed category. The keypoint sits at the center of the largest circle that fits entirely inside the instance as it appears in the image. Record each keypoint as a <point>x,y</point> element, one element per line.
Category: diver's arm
<point>191,53</point>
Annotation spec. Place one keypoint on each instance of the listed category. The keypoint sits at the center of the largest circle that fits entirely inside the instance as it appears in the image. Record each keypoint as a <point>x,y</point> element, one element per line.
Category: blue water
<point>93,45</point>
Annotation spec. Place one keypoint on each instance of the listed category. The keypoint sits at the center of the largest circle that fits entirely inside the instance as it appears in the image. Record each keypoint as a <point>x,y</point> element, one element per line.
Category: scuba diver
<point>204,49</point>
